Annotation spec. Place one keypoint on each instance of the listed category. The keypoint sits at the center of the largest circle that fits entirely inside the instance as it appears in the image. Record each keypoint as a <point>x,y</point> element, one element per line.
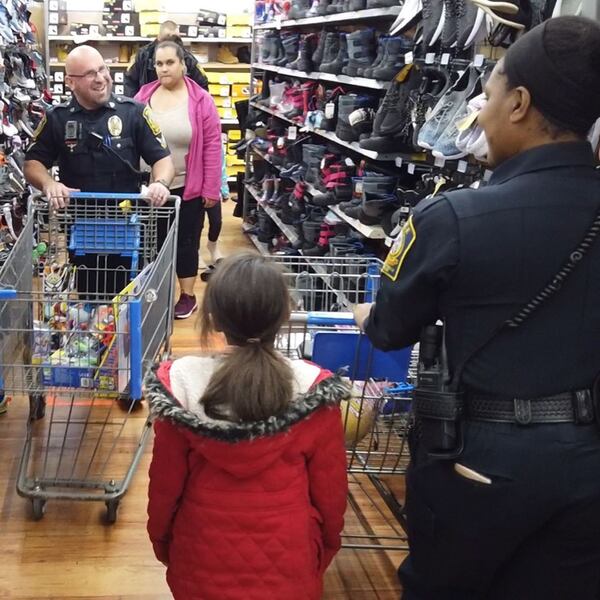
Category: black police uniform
<point>93,147</point>
<point>99,151</point>
<point>474,258</point>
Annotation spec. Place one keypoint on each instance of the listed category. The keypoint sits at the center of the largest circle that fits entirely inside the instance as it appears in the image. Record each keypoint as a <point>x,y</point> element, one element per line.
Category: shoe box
<point>240,90</point>
<point>215,89</point>
<point>212,32</point>
<point>121,18</point>
<point>229,77</point>
<point>208,17</point>
<point>122,30</point>
<point>150,30</point>
<point>227,112</point>
<point>113,6</point>
<point>239,31</point>
<point>223,101</point>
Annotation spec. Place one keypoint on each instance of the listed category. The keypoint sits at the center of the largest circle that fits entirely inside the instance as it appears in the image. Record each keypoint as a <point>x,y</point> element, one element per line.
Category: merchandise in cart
<point>79,331</point>
<point>377,417</point>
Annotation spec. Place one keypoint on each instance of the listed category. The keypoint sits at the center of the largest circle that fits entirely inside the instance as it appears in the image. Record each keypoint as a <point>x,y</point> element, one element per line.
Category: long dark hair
<point>248,300</point>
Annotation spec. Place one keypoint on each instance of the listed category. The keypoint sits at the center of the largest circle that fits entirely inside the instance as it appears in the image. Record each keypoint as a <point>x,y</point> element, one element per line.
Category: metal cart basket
<point>377,418</point>
<point>78,325</point>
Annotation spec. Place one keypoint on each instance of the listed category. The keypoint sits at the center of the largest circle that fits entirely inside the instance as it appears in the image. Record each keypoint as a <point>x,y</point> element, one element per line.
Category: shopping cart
<point>77,332</point>
<point>377,417</point>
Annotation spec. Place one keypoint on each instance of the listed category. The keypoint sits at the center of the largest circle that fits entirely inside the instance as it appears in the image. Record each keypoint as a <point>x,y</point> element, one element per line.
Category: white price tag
<point>292,132</point>
<point>430,58</point>
<point>358,187</point>
<point>52,30</point>
<point>280,142</point>
<point>322,163</point>
<point>329,110</point>
<point>349,162</point>
<point>125,18</point>
<point>119,77</point>
<point>445,58</point>
<point>462,166</point>
<point>59,76</point>
<point>52,17</point>
<point>222,20</point>
<point>398,161</point>
<point>409,58</point>
<point>478,60</point>
<point>94,30</point>
<point>129,30</point>
<point>127,5</point>
<point>411,168</point>
<point>440,161</point>
<point>192,31</point>
<point>119,89</point>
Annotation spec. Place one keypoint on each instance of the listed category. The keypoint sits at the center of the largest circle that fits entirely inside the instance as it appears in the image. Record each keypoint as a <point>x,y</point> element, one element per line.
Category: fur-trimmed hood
<point>173,391</point>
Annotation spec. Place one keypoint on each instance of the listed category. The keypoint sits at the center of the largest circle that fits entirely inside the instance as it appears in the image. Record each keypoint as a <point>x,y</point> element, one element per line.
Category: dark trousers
<point>532,534</point>
<point>191,217</point>
<point>215,221</point>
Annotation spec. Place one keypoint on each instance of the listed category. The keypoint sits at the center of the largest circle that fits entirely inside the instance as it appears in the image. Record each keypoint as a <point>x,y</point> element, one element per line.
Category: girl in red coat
<point>248,477</point>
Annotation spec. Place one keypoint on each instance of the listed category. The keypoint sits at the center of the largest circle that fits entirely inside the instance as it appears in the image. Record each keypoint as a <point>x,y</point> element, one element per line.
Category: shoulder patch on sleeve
<point>400,248</point>
<point>154,127</point>
<point>40,128</point>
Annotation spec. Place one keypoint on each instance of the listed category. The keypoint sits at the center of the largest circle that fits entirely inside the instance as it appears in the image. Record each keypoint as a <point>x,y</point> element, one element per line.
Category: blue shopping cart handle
<point>330,318</point>
<point>8,294</point>
<point>88,195</point>
<point>399,388</point>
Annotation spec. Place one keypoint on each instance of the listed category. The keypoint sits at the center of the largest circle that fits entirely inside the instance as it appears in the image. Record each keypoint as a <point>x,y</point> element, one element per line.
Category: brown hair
<point>247,299</point>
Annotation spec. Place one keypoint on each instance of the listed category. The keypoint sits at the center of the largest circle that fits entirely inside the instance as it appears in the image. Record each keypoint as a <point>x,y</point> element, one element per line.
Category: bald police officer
<point>512,510</point>
<point>97,139</point>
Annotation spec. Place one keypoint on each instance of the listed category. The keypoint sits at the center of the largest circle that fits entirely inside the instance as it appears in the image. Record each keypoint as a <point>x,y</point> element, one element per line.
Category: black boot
<point>381,52</point>
<point>304,60</point>
<point>393,61</point>
<point>317,57</point>
<point>291,43</point>
<point>330,50</point>
<point>341,60</point>
<point>361,51</point>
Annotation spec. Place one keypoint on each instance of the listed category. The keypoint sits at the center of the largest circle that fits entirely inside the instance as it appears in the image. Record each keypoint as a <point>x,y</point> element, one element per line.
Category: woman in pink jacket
<point>190,123</point>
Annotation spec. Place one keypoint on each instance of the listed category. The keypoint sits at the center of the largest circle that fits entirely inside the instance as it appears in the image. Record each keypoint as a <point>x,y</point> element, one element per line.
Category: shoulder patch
<point>40,128</point>
<point>400,248</point>
<point>154,127</point>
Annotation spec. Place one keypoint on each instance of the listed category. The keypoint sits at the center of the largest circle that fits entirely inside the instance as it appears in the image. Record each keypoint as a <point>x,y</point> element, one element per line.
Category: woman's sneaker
<point>185,306</point>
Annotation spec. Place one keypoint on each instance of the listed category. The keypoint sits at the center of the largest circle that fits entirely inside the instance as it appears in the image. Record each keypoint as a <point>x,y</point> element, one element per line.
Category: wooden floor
<point>72,554</point>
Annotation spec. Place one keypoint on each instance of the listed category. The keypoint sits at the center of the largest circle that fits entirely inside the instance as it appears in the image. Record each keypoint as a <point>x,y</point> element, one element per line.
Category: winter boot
<point>330,49</point>
<point>393,61</point>
<point>381,51</point>
<point>323,6</point>
<point>304,60</point>
<point>291,43</point>
<point>361,51</point>
<point>317,57</point>
<point>341,60</point>
<point>298,9</point>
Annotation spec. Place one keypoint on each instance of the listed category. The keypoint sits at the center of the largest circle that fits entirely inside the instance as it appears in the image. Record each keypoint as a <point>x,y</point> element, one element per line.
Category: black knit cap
<point>564,95</point>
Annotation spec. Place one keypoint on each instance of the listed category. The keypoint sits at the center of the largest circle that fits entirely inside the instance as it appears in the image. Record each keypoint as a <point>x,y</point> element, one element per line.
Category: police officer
<point>512,511</point>
<point>97,139</point>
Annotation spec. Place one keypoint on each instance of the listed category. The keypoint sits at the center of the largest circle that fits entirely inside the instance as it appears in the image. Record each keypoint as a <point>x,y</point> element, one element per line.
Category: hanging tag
<point>430,58</point>
<point>462,166</point>
<point>280,142</point>
<point>440,161</point>
<point>478,60</point>
<point>398,161</point>
<point>330,110</point>
<point>349,162</point>
<point>322,163</point>
<point>292,133</point>
<point>409,58</point>
<point>445,58</point>
<point>358,187</point>
<point>411,168</point>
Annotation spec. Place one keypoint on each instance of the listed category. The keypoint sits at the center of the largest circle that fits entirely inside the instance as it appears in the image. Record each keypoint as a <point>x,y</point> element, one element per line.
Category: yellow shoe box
<point>228,78</point>
<point>233,171</point>
<point>223,101</point>
<point>149,30</point>
<point>234,135</point>
<point>239,90</point>
<point>219,90</point>
<point>227,113</point>
<point>150,16</point>
<point>238,19</point>
<point>234,161</point>
<point>236,31</point>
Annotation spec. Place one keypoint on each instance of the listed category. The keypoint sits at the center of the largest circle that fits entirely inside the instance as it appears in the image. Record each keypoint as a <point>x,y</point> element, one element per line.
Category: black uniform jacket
<point>99,151</point>
<point>474,257</point>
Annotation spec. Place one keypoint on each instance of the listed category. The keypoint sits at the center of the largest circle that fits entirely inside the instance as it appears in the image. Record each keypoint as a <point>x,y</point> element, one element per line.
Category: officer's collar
<point>75,107</point>
<point>548,156</point>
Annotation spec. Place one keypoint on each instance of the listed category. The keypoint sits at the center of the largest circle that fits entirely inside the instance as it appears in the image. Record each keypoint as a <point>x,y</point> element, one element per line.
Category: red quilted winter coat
<point>249,511</point>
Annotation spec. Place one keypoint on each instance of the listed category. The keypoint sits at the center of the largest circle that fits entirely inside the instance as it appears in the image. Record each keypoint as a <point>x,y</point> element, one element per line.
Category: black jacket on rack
<point>142,71</point>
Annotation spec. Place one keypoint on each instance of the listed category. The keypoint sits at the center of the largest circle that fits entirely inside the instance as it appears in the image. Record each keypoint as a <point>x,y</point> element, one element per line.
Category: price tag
<point>329,110</point>
<point>59,76</point>
<point>52,17</point>
<point>398,161</point>
<point>322,163</point>
<point>462,166</point>
<point>358,186</point>
<point>192,31</point>
<point>349,162</point>
<point>280,142</point>
<point>129,30</point>
<point>409,58</point>
<point>292,133</point>
<point>52,30</point>
<point>127,5</point>
<point>445,58</point>
<point>411,168</point>
<point>94,30</point>
<point>440,161</point>
<point>430,58</point>
<point>125,18</point>
<point>478,60</point>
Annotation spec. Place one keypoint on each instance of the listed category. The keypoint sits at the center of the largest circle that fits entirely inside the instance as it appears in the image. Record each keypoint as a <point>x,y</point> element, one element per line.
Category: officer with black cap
<point>503,489</point>
<point>97,139</point>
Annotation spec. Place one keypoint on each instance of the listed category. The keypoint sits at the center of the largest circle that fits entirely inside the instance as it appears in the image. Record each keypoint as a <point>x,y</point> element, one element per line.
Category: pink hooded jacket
<point>204,160</point>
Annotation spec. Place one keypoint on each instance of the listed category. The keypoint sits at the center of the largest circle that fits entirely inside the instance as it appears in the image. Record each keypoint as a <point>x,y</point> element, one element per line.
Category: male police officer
<point>97,139</point>
<point>512,512</point>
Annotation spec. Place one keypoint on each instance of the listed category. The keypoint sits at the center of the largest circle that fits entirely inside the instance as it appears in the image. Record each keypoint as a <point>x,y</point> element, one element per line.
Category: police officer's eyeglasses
<point>92,73</point>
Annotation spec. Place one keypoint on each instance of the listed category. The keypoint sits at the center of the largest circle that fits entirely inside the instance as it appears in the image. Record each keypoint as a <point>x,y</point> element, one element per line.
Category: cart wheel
<point>39,508</point>
<point>112,507</point>
<point>37,406</point>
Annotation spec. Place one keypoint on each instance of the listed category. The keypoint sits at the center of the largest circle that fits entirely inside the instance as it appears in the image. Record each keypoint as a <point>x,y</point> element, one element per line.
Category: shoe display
<point>185,307</point>
<point>226,56</point>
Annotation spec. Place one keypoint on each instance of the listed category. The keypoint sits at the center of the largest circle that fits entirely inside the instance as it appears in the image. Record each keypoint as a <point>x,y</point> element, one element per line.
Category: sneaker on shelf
<point>185,306</point>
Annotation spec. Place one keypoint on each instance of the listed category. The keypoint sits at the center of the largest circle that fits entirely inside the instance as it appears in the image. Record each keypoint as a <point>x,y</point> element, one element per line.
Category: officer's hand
<point>57,194</point>
<point>208,203</point>
<point>157,194</point>
<point>361,312</point>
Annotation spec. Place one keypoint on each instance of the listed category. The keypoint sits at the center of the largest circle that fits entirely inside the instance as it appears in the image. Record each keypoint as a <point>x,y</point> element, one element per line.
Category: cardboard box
<point>228,77</point>
<point>219,90</point>
<point>150,16</point>
<point>233,171</point>
<point>211,32</point>
<point>223,101</point>
<point>234,161</point>
<point>239,19</point>
<point>208,17</point>
<point>227,113</point>
<point>239,90</point>
<point>239,32</point>
<point>150,30</point>
<point>234,135</point>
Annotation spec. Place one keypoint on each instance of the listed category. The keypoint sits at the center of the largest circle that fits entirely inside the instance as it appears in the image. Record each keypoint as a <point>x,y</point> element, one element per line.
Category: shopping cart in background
<point>77,330</point>
<point>377,417</point>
